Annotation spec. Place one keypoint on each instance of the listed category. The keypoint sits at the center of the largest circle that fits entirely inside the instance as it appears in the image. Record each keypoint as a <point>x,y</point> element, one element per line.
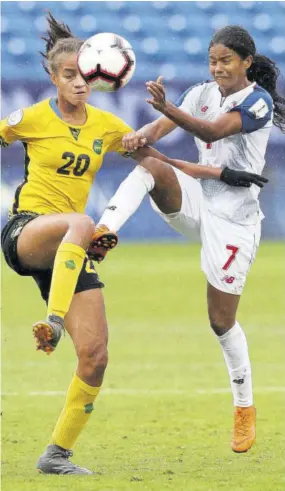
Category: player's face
<point>68,80</point>
<point>228,68</point>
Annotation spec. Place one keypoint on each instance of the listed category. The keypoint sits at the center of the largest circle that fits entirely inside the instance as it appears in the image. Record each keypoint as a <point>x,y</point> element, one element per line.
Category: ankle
<point>53,318</point>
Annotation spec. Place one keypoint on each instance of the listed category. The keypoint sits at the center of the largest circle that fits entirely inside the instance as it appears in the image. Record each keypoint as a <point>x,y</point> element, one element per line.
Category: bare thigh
<point>87,326</point>
<point>40,238</point>
<point>166,193</point>
<point>222,309</point>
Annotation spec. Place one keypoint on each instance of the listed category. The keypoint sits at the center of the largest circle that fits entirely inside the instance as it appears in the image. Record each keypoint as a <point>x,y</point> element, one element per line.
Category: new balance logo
<point>112,208</point>
<point>228,279</point>
<point>238,381</point>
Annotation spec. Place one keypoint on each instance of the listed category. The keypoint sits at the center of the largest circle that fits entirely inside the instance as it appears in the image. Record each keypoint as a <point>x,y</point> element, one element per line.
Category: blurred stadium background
<point>165,415</point>
<point>169,38</point>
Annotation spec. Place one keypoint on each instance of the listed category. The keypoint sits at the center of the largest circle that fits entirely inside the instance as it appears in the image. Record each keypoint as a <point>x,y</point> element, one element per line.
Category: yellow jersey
<point>61,160</point>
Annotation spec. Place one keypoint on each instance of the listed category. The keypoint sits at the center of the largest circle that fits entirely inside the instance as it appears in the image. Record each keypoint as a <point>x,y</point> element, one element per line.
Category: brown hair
<point>59,40</point>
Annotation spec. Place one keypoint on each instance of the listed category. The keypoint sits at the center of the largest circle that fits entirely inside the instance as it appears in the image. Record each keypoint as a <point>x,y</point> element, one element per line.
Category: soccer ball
<point>106,61</point>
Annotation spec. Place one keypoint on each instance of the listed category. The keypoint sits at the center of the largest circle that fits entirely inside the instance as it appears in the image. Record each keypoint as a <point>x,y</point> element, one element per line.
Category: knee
<point>93,361</point>
<point>148,163</point>
<point>152,167</point>
<point>84,227</point>
<point>221,321</point>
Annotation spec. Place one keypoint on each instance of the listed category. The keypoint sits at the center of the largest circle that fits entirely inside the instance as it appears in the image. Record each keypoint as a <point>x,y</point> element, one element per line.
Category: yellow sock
<point>67,266</point>
<point>75,414</point>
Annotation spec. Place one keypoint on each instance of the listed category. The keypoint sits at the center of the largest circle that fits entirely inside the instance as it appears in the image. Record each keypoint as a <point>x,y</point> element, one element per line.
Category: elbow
<point>208,134</point>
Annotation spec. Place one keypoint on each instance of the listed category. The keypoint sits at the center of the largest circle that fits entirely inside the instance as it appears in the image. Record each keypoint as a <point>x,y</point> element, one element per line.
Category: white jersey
<point>243,151</point>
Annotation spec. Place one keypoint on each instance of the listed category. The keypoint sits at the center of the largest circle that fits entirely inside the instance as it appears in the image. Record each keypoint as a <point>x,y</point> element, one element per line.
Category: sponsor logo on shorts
<point>16,232</point>
<point>228,279</point>
<point>204,109</point>
<point>112,208</point>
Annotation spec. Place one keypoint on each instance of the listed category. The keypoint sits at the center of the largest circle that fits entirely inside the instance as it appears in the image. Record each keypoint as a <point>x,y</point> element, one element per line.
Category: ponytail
<point>59,39</point>
<point>265,73</point>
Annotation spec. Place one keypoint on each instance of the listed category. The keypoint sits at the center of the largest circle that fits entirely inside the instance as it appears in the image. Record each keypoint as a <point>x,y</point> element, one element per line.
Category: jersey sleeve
<point>189,100</point>
<point>19,125</point>
<point>12,128</point>
<point>117,130</point>
<point>255,110</point>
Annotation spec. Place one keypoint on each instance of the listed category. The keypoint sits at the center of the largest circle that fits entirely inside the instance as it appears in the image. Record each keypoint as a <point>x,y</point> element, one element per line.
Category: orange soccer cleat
<point>244,429</point>
<point>48,333</point>
<point>103,240</point>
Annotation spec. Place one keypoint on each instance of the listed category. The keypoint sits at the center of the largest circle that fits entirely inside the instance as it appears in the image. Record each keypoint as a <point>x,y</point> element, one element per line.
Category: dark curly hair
<point>262,70</point>
<point>59,40</point>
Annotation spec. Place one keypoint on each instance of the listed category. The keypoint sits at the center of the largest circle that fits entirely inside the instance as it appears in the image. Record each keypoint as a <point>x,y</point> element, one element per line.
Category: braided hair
<point>263,70</point>
<point>59,40</point>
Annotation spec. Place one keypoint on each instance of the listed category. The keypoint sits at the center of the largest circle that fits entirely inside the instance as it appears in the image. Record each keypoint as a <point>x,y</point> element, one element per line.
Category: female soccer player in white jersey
<point>48,234</point>
<point>230,117</point>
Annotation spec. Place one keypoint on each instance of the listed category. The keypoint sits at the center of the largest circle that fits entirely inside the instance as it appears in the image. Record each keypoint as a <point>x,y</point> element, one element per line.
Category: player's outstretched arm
<point>229,176</point>
<point>148,134</point>
<point>208,131</point>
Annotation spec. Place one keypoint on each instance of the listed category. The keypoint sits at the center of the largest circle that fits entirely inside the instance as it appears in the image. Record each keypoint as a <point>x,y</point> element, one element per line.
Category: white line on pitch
<point>148,392</point>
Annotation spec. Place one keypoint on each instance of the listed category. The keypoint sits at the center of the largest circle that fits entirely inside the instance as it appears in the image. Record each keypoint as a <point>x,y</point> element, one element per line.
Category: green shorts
<point>88,278</point>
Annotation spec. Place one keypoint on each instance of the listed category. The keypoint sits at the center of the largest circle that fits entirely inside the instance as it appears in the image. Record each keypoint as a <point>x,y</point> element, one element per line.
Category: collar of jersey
<point>252,86</point>
<point>53,105</point>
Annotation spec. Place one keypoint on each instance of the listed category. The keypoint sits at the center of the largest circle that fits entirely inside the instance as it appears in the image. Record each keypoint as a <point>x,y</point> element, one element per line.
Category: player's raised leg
<point>58,241</point>
<point>152,177</point>
<point>87,326</point>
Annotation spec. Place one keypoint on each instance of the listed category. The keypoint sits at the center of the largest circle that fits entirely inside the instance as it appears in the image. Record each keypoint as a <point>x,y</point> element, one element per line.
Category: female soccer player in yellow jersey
<point>49,237</point>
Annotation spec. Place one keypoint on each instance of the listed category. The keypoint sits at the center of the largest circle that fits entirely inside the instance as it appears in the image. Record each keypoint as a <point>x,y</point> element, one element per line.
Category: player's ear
<point>248,61</point>
<point>53,78</point>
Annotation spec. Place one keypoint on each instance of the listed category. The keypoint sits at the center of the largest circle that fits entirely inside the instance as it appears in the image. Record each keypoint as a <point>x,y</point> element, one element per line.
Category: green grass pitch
<point>164,418</point>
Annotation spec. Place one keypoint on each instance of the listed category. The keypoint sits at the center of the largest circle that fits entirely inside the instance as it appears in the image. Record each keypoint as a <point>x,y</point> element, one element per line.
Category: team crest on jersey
<point>97,146</point>
<point>15,117</point>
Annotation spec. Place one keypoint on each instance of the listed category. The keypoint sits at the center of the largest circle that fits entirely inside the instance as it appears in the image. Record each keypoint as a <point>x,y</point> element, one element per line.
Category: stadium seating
<point>168,37</point>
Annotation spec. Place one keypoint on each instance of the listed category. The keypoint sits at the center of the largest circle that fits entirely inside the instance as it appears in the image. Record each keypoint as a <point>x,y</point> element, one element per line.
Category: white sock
<point>235,351</point>
<point>128,198</point>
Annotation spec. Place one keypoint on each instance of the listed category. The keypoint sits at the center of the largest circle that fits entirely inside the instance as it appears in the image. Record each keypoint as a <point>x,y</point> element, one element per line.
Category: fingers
<point>159,80</point>
<point>151,101</point>
<point>260,178</point>
<point>257,183</point>
<point>156,92</point>
<point>156,86</point>
<point>133,141</point>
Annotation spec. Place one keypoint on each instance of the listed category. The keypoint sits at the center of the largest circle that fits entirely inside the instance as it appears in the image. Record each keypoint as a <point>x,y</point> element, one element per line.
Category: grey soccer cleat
<point>55,461</point>
<point>48,333</point>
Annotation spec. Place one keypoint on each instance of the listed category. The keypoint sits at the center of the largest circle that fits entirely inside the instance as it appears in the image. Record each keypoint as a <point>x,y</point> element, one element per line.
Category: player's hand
<point>133,141</point>
<point>241,178</point>
<point>157,91</point>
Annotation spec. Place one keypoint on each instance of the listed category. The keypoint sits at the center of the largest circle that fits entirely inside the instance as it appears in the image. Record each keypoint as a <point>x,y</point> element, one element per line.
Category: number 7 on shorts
<point>232,257</point>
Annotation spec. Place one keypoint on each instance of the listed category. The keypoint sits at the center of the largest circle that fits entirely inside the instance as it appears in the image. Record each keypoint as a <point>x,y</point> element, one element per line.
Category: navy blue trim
<point>250,122</point>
